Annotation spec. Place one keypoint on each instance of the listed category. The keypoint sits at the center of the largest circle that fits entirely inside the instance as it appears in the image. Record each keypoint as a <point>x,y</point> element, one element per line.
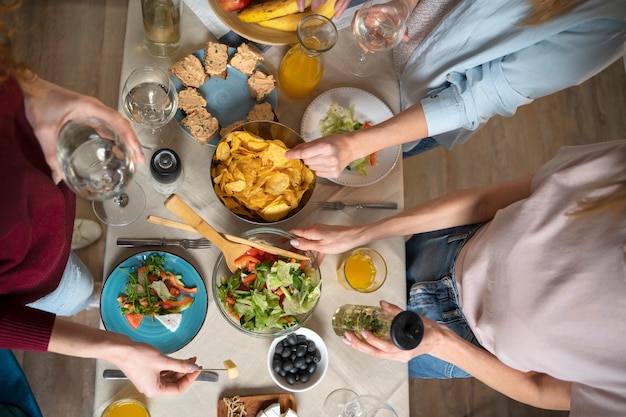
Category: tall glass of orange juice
<point>364,270</point>
<point>126,408</point>
<point>302,67</point>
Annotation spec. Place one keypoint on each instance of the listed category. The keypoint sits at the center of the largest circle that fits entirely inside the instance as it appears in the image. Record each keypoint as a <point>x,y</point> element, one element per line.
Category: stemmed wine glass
<point>150,101</point>
<point>336,401</point>
<point>378,25</point>
<point>344,402</point>
<point>98,166</point>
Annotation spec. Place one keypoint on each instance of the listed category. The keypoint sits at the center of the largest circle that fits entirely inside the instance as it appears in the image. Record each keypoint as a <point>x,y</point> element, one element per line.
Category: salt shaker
<point>167,171</point>
<point>405,330</point>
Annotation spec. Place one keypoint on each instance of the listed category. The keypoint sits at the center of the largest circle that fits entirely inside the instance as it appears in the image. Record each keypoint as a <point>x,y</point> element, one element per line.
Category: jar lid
<point>407,330</point>
<point>165,165</point>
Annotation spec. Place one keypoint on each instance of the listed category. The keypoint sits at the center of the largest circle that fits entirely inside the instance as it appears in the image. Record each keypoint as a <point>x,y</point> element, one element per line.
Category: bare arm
<point>152,372</point>
<point>328,156</point>
<point>536,389</point>
<point>455,209</point>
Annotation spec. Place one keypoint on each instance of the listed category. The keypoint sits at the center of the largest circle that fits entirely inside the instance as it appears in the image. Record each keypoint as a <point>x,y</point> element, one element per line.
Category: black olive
<point>311,346</point>
<point>291,379</point>
<point>291,339</point>
<point>287,366</point>
<point>285,353</point>
<point>299,363</point>
<point>277,366</point>
<point>304,377</point>
<point>312,368</point>
<point>301,350</point>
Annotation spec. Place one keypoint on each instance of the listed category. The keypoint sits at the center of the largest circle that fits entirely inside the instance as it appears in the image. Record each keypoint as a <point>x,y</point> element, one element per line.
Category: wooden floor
<point>79,46</point>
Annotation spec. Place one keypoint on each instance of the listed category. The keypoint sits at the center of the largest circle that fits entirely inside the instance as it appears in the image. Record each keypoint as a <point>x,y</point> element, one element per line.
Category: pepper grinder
<point>167,171</point>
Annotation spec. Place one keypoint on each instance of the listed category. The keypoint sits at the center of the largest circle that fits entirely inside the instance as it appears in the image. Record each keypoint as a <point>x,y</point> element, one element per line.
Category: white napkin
<point>223,33</point>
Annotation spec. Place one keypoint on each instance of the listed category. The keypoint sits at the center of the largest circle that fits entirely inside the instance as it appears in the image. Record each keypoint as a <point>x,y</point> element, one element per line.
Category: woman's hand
<point>329,155</point>
<point>155,374</point>
<point>385,349</point>
<point>325,238</point>
<point>49,106</point>
<point>152,372</point>
<point>340,6</point>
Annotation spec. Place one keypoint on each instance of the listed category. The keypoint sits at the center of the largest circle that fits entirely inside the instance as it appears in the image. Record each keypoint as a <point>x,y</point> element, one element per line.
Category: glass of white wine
<point>98,166</point>
<point>150,101</point>
<point>335,403</point>
<point>378,25</point>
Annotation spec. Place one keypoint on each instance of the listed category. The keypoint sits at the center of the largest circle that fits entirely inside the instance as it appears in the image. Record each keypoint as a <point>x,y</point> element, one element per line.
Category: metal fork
<point>337,205</point>
<point>183,243</point>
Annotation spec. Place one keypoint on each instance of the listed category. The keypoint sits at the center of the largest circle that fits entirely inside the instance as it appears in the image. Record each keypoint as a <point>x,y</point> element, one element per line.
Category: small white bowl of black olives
<point>298,361</point>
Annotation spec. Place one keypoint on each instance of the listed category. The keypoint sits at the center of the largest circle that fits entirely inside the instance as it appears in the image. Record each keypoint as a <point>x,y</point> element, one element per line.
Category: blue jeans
<point>74,293</point>
<point>432,292</point>
<point>414,148</point>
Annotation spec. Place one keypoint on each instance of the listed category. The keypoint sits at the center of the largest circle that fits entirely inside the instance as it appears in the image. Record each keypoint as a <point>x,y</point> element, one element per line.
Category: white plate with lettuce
<point>345,109</point>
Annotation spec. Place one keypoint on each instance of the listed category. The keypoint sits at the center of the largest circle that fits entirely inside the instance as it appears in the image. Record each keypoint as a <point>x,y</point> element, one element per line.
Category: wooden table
<point>218,340</point>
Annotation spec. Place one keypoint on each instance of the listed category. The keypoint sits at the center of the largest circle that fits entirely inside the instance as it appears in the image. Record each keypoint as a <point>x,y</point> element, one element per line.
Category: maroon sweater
<point>36,221</point>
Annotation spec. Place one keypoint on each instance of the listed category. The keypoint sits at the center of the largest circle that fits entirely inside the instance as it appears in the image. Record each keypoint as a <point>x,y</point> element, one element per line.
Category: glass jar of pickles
<point>405,330</point>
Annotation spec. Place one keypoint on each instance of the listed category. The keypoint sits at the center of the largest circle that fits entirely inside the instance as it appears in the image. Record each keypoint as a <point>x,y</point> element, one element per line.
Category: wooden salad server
<point>230,250</point>
<point>259,245</point>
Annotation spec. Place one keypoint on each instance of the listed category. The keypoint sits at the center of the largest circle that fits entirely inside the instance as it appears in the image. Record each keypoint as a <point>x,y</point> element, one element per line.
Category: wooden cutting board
<point>256,403</point>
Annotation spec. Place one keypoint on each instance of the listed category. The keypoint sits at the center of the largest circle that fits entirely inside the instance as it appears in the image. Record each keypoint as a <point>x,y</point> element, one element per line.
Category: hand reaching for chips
<point>253,177</point>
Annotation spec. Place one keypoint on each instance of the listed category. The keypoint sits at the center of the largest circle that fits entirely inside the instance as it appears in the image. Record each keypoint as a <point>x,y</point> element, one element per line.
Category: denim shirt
<point>480,61</point>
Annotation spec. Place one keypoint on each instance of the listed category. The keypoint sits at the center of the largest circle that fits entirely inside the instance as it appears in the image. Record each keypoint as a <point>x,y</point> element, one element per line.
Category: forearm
<point>459,208</point>
<point>408,125</point>
<point>72,339</point>
<point>152,372</point>
<point>538,390</point>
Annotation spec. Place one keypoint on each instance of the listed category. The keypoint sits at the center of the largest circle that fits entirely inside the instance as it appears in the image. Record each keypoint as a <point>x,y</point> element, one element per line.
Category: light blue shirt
<point>480,61</point>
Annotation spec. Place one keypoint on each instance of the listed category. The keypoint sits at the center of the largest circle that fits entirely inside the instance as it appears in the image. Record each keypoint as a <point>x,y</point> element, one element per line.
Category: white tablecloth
<point>217,340</point>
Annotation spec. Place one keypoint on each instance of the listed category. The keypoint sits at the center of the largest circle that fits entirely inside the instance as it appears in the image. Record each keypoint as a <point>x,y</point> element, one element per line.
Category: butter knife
<point>205,375</point>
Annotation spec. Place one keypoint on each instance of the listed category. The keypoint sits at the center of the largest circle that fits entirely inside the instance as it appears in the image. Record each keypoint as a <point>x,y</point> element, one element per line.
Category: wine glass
<point>336,401</point>
<point>378,25</point>
<point>150,102</point>
<point>97,166</point>
<point>368,406</point>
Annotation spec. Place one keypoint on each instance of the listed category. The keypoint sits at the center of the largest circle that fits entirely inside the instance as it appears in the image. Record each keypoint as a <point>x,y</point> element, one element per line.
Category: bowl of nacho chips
<point>253,178</point>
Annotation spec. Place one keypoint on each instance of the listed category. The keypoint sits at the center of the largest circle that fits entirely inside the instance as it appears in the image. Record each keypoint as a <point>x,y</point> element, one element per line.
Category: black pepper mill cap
<point>165,166</point>
<point>407,330</point>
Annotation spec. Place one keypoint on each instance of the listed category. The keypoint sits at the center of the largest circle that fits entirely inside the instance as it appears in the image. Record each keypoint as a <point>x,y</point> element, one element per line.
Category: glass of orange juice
<point>126,408</point>
<point>364,270</point>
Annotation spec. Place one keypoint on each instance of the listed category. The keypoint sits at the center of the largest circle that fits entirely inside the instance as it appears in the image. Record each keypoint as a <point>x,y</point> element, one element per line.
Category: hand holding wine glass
<point>150,101</point>
<point>98,166</point>
<point>378,25</point>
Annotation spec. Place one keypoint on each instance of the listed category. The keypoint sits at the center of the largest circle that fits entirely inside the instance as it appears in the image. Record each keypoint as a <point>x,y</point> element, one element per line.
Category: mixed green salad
<point>153,291</point>
<point>269,291</point>
<point>341,119</point>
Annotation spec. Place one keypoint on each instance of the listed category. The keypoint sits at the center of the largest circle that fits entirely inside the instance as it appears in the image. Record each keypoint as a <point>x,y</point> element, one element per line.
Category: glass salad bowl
<point>271,297</point>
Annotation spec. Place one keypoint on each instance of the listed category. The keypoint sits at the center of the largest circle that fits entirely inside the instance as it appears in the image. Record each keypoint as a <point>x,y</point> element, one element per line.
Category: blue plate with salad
<point>346,109</point>
<point>156,298</point>
<point>268,296</point>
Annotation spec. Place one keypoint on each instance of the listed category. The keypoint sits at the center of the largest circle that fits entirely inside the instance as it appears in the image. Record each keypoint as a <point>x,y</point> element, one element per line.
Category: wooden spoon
<point>259,245</point>
<point>231,250</point>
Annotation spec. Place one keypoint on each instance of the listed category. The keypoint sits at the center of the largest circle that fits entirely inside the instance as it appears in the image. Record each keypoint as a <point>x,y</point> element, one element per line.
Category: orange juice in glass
<point>364,270</point>
<point>126,408</point>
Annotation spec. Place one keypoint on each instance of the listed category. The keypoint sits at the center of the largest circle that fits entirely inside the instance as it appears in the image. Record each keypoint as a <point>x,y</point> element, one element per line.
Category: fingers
<point>370,345</point>
<point>300,4</point>
<point>316,3</point>
<point>341,7</point>
<point>389,308</point>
